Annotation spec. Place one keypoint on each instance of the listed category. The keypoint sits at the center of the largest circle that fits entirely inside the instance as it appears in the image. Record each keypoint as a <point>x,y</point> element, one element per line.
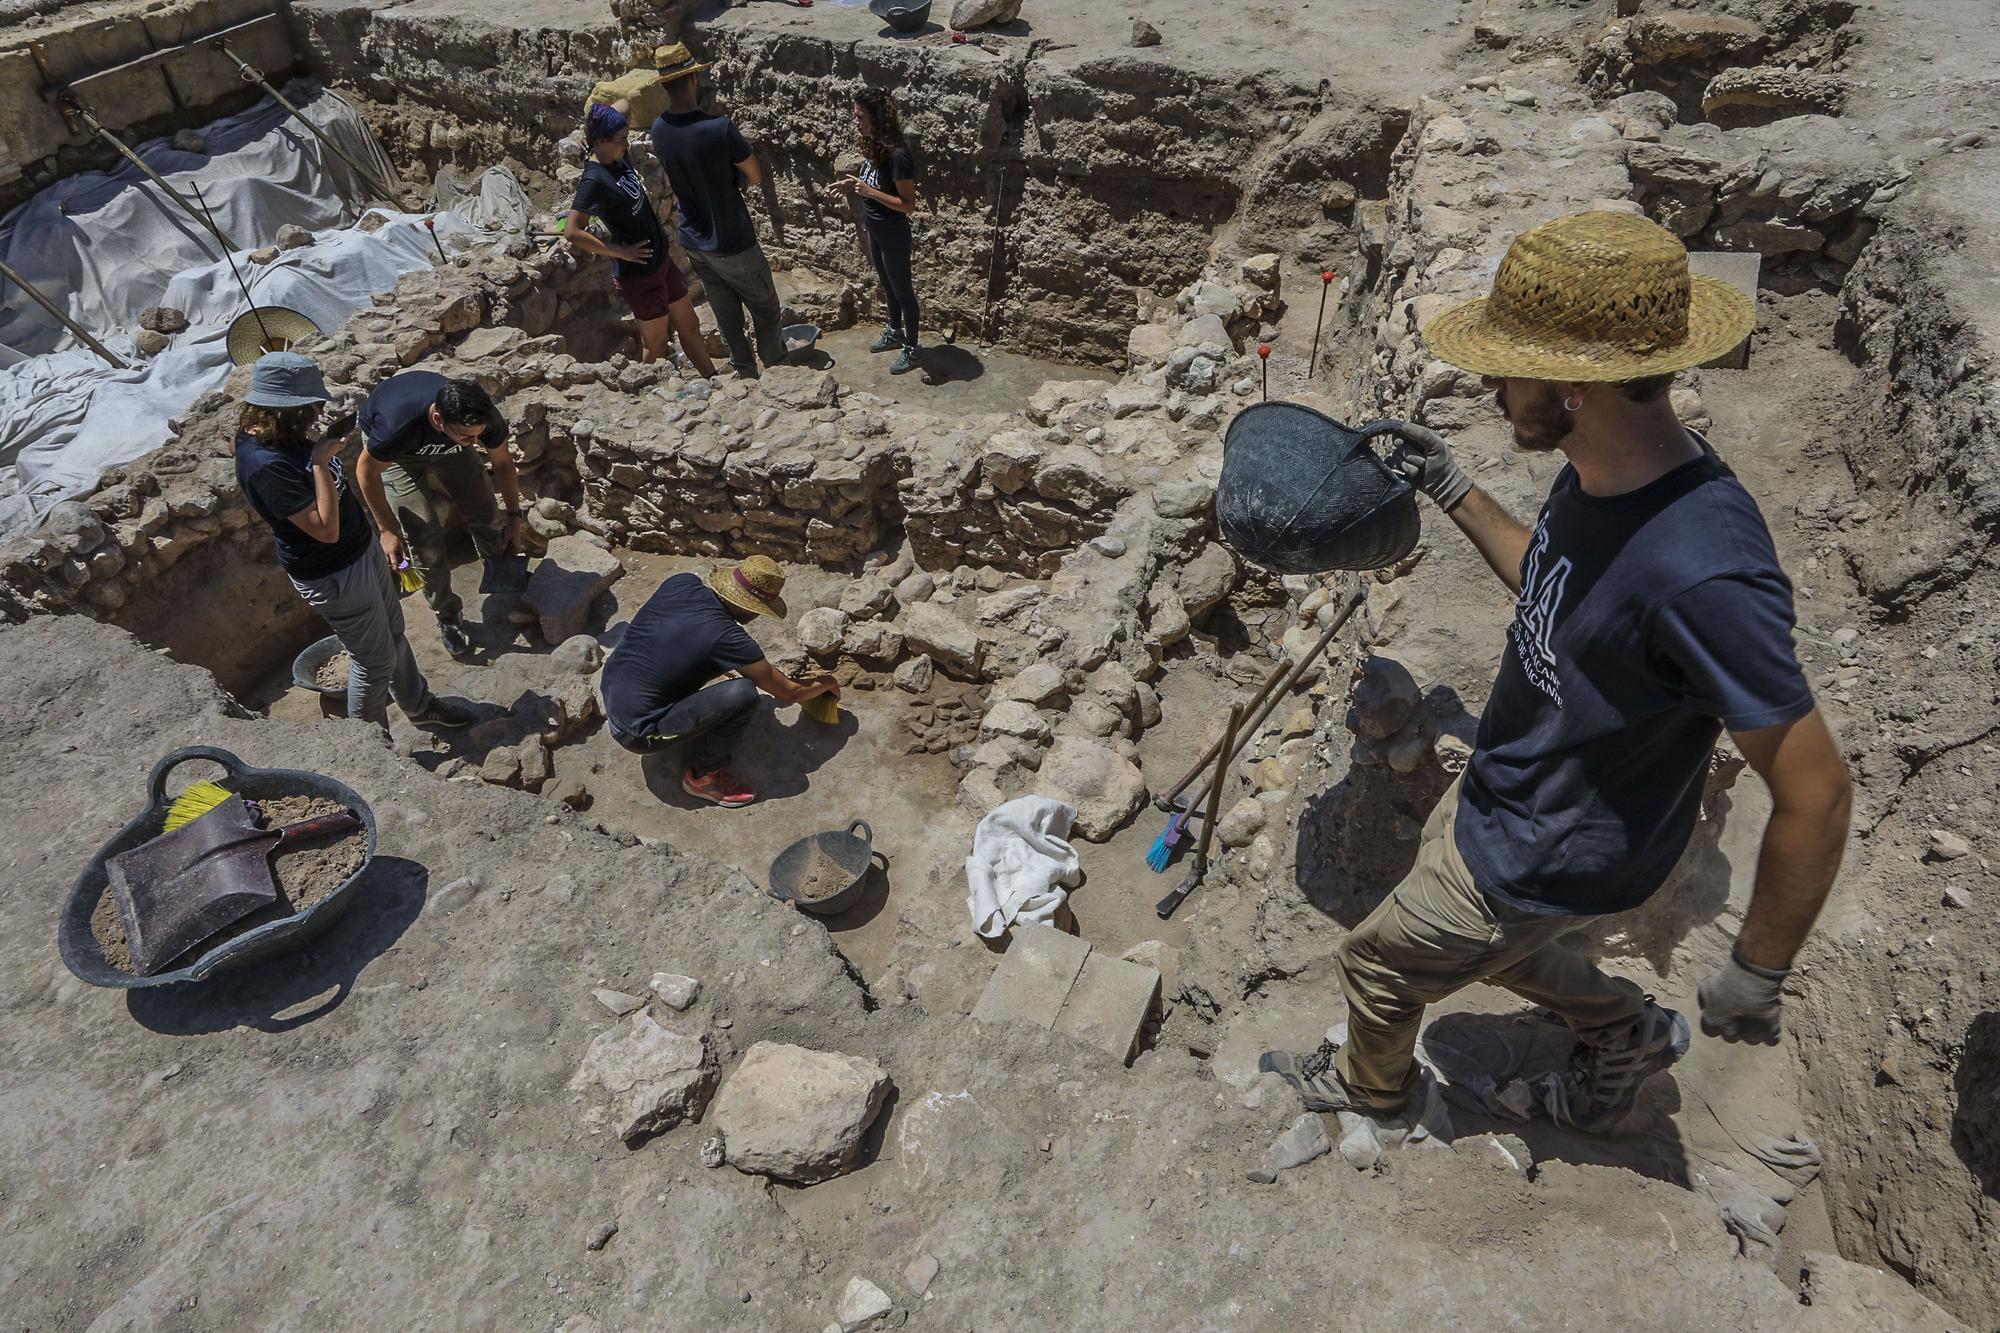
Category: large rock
<point>656,1078</point>
<point>820,630</point>
<point>1105,787</point>
<point>951,643</point>
<point>967,14</point>
<point>799,386</point>
<point>566,582</point>
<point>797,1114</point>
<point>1207,579</point>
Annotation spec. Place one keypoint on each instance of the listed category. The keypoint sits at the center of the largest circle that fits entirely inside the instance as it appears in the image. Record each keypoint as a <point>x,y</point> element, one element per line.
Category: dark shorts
<point>650,294</point>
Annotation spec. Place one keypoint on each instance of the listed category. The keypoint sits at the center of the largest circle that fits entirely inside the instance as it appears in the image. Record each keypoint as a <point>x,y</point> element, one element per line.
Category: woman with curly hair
<point>887,188</point>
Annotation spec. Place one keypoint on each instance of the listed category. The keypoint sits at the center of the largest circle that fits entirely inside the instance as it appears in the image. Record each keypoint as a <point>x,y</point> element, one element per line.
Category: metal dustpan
<point>182,887</point>
<point>504,573</point>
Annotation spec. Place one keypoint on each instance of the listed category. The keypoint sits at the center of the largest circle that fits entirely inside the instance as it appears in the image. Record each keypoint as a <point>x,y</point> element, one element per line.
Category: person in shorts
<point>642,272</point>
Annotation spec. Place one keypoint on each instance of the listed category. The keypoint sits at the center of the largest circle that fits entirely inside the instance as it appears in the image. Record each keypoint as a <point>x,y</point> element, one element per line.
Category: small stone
<point>1108,546</point>
<point>923,1270</point>
<point>1304,1141</point>
<point>570,792</point>
<point>457,894</point>
<point>820,630</point>
<point>291,236</point>
<point>1144,33</point>
<point>189,141</point>
<point>1517,97</point>
<point>1890,1070</point>
<point>1242,822</point>
<point>675,991</point>
<point>712,1153</point>
<point>1948,846</point>
<point>1957,897</point>
<point>916,587</point>
<point>1969,139</point>
<point>861,1304</point>
<point>579,654</point>
<point>150,343</point>
<point>601,1235</point>
<point>617,1001</point>
<point>915,675</point>
<point>263,254</point>
<point>655,1078</point>
<point>1036,685</point>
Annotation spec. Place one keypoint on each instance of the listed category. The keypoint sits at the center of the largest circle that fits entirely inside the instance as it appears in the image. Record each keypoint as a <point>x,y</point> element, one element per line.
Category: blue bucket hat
<point>602,122</point>
<point>286,379</point>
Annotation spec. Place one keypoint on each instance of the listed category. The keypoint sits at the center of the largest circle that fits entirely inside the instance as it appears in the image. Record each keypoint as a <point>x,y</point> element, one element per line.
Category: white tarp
<point>107,245</point>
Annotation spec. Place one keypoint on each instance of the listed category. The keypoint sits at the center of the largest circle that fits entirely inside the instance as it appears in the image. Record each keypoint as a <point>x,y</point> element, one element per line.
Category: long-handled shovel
<point>1165,907</point>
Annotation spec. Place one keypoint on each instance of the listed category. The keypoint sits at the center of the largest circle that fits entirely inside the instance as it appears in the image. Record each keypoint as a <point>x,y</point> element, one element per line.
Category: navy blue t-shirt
<point>1647,622</point>
<point>901,168</point>
<point>278,483</point>
<point>700,153</point>
<point>617,195</point>
<point>680,640</point>
<point>396,419</point>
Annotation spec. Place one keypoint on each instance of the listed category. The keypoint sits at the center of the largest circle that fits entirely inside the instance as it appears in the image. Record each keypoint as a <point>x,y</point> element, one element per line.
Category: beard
<point>1539,421</point>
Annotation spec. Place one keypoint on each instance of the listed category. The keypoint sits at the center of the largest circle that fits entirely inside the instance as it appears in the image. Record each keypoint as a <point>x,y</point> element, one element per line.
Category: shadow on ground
<point>389,897</point>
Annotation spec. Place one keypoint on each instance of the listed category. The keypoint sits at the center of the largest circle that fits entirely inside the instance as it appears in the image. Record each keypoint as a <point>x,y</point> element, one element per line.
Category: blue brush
<point>1163,846</point>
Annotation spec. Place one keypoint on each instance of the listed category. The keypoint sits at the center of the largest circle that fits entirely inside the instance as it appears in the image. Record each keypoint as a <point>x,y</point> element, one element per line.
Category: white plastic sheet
<point>107,245</point>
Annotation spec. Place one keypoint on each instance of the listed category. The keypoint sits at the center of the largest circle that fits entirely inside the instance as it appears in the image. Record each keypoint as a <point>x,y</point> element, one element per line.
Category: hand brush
<point>1163,846</point>
<point>196,801</point>
<point>822,708</point>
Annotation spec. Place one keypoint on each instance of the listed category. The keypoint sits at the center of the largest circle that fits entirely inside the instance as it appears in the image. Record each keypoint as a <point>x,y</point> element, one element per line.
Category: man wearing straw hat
<point>656,684</point>
<point>708,162</point>
<point>1651,615</point>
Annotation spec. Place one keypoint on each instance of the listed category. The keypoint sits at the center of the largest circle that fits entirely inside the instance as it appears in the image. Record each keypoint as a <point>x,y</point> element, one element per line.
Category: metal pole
<point>97,127</point>
<point>1325,285</point>
<point>243,286</point>
<point>82,334</point>
<point>251,74</point>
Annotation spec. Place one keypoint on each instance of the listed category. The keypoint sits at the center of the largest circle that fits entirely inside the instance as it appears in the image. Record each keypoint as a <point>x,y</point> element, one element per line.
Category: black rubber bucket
<point>1302,493</point>
<point>81,953</point>
<point>305,668</point>
<point>902,15</point>
<point>855,855</point>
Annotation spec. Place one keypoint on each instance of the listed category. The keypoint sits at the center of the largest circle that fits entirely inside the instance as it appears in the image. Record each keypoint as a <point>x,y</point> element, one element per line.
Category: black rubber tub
<point>305,668</point>
<point>80,951</point>
<point>855,855</point>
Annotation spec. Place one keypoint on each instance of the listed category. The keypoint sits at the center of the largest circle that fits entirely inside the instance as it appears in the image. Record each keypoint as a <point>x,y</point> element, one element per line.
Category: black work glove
<point>1740,1002</point>
<point>1423,457</point>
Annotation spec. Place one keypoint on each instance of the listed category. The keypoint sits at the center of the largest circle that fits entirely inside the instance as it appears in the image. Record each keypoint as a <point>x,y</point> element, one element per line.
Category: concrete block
<point>1109,1005</point>
<point>1740,269</point>
<point>1033,979</point>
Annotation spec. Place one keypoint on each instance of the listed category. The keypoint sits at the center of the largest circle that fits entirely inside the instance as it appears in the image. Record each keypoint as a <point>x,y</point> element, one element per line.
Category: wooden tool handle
<point>308,829</point>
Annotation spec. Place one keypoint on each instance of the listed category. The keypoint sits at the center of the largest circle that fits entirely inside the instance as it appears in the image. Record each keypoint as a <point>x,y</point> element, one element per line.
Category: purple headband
<point>603,122</point>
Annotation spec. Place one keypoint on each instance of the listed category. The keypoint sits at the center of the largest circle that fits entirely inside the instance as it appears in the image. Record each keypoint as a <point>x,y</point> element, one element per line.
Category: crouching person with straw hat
<point>656,684</point>
<point>1651,614</point>
<point>294,480</point>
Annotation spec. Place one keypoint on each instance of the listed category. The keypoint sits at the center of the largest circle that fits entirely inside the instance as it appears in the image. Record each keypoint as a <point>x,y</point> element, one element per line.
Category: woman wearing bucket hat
<point>296,483</point>
<point>690,631</point>
<point>1651,614</point>
<point>642,271</point>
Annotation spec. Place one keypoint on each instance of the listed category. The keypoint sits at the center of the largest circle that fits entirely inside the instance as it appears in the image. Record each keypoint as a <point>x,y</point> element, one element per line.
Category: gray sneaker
<point>443,712</point>
<point>1605,1080</point>
<point>456,641</point>
<point>1318,1084</point>
<point>888,342</point>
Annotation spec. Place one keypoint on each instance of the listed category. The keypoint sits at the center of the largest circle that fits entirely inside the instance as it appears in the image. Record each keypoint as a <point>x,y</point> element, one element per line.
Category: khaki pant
<point>461,475</point>
<point>1437,933</point>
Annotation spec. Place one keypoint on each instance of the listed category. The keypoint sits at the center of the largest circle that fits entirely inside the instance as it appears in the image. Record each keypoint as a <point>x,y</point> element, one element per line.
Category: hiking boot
<point>721,788</point>
<point>905,363</point>
<point>443,712</point>
<point>1605,1080</point>
<point>888,342</point>
<point>1318,1084</point>
<point>456,641</point>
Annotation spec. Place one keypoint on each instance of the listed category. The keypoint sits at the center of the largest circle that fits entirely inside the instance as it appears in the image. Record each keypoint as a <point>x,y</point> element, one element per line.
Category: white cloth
<point>1022,865</point>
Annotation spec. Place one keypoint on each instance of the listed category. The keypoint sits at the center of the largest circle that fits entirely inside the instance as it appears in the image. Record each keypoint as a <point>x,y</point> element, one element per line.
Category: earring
<point>1573,402</point>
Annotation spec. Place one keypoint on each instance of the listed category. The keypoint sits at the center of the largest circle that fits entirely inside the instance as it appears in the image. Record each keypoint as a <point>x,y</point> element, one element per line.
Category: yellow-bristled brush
<point>824,708</point>
<point>410,580</point>
<point>195,802</point>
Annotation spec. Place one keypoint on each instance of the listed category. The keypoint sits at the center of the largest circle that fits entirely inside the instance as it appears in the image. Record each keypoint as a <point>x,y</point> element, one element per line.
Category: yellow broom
<point>822,708</point>
<point>195,802</point>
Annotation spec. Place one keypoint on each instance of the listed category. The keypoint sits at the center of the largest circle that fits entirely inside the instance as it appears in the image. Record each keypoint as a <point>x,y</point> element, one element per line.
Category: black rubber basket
<point>80,950</point>
<point>1302,493</point>
<point>305,667</point>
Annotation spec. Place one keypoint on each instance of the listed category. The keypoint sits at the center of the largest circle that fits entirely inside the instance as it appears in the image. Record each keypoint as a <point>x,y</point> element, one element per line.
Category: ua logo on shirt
<point>1535,614</point>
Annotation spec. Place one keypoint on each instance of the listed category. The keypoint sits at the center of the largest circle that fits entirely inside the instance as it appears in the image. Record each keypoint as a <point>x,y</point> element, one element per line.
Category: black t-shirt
<point>700,153</point>
<point>681,639</point>
<point>1647,622</point>
<point>396,419</point>
<point>617,195</point>
<point>901,168</point>
<point>278,483</point>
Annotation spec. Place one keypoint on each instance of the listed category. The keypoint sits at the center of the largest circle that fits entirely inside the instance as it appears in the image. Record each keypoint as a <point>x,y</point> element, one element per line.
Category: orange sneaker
<point>721,788</point>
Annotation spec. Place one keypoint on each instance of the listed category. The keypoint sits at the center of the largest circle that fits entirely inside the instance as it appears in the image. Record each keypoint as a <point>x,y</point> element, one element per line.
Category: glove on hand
<point>1740,1002</point>
<point>1423,457</point>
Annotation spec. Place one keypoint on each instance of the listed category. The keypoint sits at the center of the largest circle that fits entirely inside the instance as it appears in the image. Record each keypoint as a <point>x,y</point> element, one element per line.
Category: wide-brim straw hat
<point>1593,297</point>
<point>675,61</point>
<point>267,328</point>
<point>755,585</point>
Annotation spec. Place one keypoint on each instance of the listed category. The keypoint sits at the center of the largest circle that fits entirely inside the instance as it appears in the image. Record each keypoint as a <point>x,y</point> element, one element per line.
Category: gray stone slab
<point>1740,269</point>
<point>1033,979</point>
<point>1109,1005</point>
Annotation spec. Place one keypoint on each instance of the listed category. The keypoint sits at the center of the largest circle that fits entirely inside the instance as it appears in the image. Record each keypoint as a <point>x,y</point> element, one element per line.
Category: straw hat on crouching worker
<point>755,585</point>
<point>1589,298</point>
